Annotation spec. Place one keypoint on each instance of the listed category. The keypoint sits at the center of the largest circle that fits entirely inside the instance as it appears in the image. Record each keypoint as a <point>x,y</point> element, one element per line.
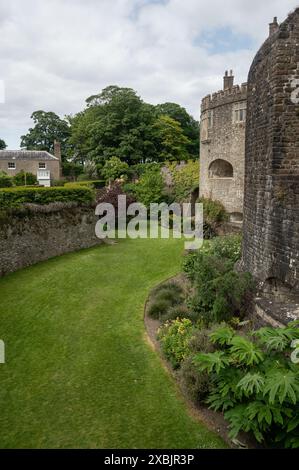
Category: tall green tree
<point>47,128</point>
<point>117,123</point>
<point>189,125</point>
<point>2,144</point>
<point>171,141</point>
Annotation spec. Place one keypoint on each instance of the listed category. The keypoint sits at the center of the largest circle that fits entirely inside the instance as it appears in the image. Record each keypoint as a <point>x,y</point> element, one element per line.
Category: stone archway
<point>221,169</point>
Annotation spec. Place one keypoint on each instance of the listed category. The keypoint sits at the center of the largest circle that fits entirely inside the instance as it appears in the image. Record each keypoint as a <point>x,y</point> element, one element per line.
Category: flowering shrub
<point>175,336</point>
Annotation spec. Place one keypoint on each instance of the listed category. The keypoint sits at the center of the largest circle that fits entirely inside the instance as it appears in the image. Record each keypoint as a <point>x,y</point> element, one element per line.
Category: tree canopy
<point>48,127</point>
<point>118,123</point>
<point>2,144</point>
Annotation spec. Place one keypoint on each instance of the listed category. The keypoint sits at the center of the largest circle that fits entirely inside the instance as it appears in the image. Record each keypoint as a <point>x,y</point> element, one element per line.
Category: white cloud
<point>55,53</point>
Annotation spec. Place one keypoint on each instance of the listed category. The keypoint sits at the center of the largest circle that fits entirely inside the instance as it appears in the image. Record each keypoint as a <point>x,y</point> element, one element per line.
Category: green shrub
<point>200,341</point>
<point>15,197</point>
<point>220,292</point>
<point>5,180</point>
<point>255,383</point>
<point>158,308</point>
<point>150,188</point>
<point>171,286</point>
<point>114,168</point>
<point>214,212</point>
<point>185,179</point>
<point>24,179</point>
<point>164,297</point>
<point>174,337</point>
<point>228,246</point>
<point>195,385</point>
<point>200,266</point>
<point>94,184</point>
<point>58,183</point>
<point>178,311</point>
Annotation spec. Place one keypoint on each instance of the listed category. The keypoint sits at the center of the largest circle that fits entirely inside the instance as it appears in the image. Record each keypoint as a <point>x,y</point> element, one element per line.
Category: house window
<point>42,166</point>
<point>11,165</point>
<point>239,113</point>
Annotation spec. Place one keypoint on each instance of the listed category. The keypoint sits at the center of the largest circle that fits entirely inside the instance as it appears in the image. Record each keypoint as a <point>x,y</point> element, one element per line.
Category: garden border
<point>213,420</point>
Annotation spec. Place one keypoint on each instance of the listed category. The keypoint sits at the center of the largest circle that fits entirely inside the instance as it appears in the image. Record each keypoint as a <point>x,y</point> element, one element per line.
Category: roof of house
<point>26,155</point>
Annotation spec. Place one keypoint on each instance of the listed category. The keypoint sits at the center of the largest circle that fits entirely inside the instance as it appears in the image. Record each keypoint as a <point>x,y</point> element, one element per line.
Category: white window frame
<point>44,167</point>
<point>11,167</point>
<point>239,110</point>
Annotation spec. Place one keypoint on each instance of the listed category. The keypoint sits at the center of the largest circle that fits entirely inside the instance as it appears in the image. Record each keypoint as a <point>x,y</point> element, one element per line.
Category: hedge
<point>15,197</point>
<point>95,184</point>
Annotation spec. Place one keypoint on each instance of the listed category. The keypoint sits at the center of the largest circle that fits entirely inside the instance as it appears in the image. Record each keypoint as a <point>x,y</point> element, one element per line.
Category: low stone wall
<point>37,233</point>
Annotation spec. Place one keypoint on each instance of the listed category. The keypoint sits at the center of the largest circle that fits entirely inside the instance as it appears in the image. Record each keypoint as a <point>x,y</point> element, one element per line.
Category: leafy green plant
<point>163,298</point>
<point>5,180</point>
<point>158,308</point>
<point>185,179</point>
<point>24,179</point>
<point>228,246</point>
<point>220,292</point>
<point>194,385</point>
<point>255,383</point>
<point>178,311</point>
<point>174,337</point>
<point>150,187</point>
<point>114,168</point>
<point>214,212</point>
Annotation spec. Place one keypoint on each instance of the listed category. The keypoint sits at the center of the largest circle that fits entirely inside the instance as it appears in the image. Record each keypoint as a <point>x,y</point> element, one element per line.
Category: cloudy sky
<point>56,53</point>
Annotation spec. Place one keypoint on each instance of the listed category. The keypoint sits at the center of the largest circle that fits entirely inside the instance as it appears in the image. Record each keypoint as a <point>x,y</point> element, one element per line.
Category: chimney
<point>228,80</point>
<point>57,154</point>
<point>57,150</point>
<point>273,27</point>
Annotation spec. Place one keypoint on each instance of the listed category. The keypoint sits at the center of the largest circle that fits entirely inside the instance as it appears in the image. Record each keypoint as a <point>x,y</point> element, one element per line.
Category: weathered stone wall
<point>271,205</point>
<point>41,232</point>
<point>223,139</point>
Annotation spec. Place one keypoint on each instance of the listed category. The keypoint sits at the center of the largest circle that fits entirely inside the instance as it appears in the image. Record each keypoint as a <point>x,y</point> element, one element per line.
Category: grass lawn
<point>79,372</point>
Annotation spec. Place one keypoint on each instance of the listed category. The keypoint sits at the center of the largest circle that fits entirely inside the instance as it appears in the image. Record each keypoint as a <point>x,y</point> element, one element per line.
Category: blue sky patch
<point>223,40</point>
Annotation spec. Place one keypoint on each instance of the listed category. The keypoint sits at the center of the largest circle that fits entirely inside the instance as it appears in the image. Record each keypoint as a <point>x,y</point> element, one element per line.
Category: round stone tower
<point>271,201</point>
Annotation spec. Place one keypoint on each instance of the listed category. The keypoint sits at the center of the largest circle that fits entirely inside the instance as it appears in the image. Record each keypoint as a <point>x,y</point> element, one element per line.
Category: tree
<point>170,138</point>
<point>48,127</point>
<point>114,168</point>
<point>2,144</point>
<point>189,125</point>
<point>117,123</point>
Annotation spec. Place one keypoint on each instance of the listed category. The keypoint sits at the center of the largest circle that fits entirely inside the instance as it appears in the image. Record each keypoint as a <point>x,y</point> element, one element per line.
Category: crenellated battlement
<point>230,95</point>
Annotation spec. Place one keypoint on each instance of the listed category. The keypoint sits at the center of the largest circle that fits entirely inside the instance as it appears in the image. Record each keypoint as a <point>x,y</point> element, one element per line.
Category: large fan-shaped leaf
<point>245,352</point>
<point>251,383</point>
<point>282,385</point>
<point>222,335</point>
<point>211,362</point>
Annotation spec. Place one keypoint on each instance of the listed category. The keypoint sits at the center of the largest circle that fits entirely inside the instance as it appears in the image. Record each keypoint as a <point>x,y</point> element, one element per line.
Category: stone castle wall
<point>222,147</point>
<point>41,232</point>
<point>271,204</point>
